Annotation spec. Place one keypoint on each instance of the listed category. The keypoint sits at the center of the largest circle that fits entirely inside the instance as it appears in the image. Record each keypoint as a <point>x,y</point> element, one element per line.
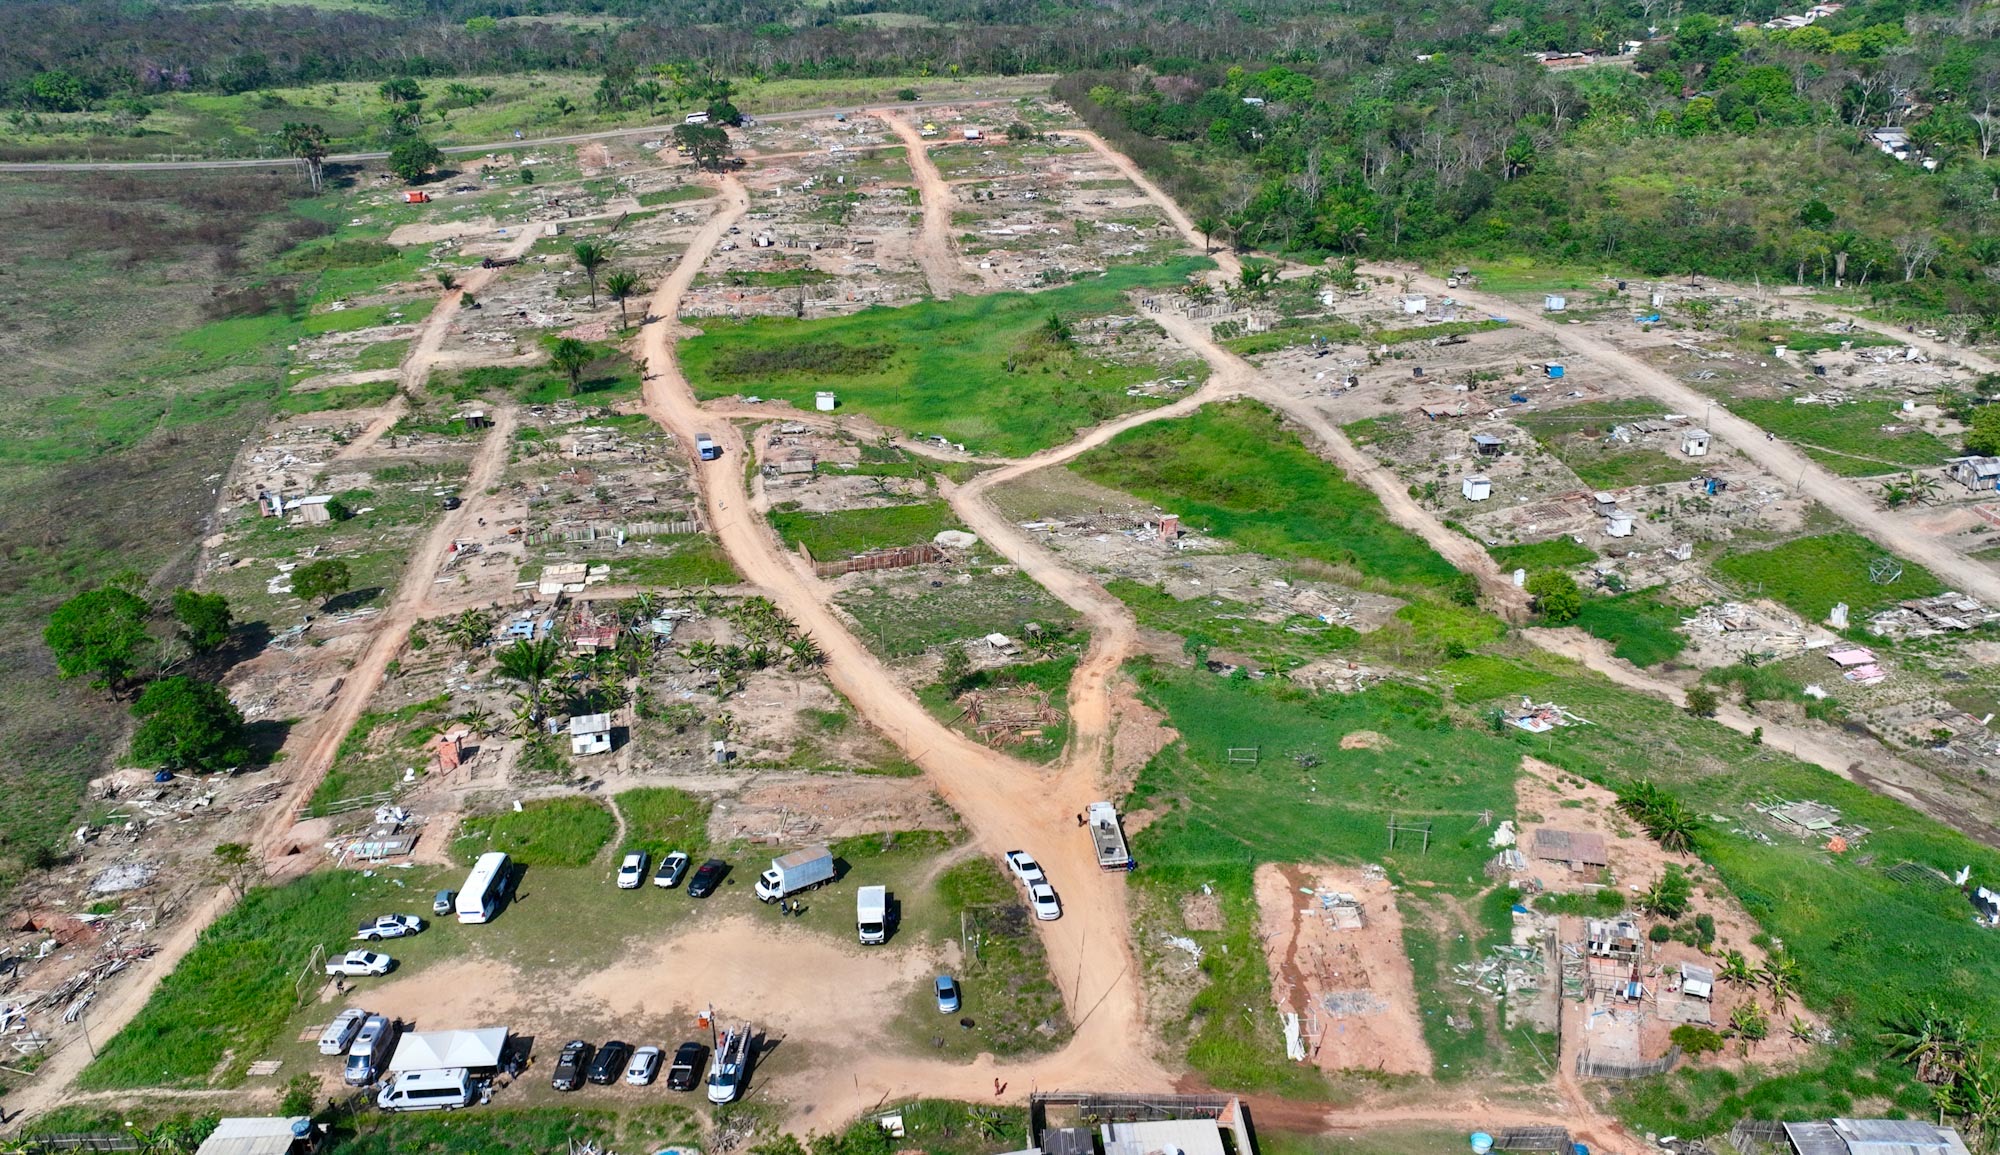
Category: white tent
<point>438,1050</point>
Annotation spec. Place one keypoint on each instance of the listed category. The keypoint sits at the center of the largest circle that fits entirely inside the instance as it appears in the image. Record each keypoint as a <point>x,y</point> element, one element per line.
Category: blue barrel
<point>1481,1143</point>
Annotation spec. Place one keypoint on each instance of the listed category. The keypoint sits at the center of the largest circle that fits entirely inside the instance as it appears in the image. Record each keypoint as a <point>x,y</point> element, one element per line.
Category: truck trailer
<point>797,871</point>
<point>1110,839</point>
<point>871,914</point>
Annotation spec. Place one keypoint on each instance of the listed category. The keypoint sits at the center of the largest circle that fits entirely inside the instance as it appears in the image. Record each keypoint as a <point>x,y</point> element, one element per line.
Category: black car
<point>690,1062</point>
<point>610,1062</point>
<point>706,877</point>
<point>570,1065</point>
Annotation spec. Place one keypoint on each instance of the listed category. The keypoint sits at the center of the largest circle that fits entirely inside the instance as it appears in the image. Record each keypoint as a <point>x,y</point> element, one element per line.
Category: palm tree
<point>307,143</point>
<point>1935,1043</point>
<point>619,285</point>
<point>571,356</point>
<point>1672,826</point>
<point>470,628</point>
<point>590,257</point>
<point>531,663</point>
<point>1207,224</point>
<point>1737,970</point>
<point>1781,973</point>
<point>805,654</point>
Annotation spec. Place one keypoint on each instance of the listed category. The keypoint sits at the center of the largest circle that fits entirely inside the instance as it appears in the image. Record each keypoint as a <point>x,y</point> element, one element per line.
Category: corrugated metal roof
<point>263,1135</point>
<point>1815,1139</point>
<point>1188,1136</point>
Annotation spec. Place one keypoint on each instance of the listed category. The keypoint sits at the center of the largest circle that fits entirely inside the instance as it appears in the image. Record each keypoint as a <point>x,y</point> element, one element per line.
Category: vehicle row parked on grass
<point>580,1062</point>
<point>1041,896</point>
<point>673,868</point>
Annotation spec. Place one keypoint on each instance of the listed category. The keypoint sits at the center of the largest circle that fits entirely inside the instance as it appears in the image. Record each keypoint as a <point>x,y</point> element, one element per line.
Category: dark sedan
<point>706,878</point>
<point>570,1065</point>
<point>609,1064</point>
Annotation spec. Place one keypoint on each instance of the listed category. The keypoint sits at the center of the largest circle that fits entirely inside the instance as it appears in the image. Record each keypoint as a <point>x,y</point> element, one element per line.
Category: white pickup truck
<point>356,963</point>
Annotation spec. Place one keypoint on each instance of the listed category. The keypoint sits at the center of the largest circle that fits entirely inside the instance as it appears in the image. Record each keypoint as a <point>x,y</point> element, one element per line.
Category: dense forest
<point>1692,139</point>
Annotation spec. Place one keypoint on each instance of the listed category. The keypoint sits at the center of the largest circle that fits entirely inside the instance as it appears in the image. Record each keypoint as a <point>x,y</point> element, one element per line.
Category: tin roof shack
<point>265,1135</point>
<point>566,578</point>
<point>1582,852</point>
<point>1612,938</point>
<point>1487,445</point>
<point>1084,1123</point>
<point>1694,443</point>
<point>590,734</point>
<point>1978,474</point>
<point>1862,1137</point>
<point>1476,488</point>
<point>1697,982</point>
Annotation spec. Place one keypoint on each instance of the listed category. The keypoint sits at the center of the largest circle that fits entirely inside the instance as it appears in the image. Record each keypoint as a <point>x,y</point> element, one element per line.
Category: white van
<point>697,118</point>
<point>439,1090</point>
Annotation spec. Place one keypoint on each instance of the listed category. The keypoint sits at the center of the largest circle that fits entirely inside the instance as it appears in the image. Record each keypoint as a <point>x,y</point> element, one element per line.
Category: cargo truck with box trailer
<point>871,914</point>
<point>797,871</point>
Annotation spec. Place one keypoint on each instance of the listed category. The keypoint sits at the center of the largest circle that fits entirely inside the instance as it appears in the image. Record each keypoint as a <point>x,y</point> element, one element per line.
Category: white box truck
<point>1109,837</point>
<point>871,914</point>
<point>797,871</point>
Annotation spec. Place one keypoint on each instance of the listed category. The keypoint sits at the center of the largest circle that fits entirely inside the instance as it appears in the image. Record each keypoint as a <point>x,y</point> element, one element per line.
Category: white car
<point>1025,868</point>
<point>339,1033</point>
<point>644,1067</point>
<point>1042,897</point>
<point>672,868</point>
<point>389,926</point>
<point>632,871</point>
<point>360,962</point>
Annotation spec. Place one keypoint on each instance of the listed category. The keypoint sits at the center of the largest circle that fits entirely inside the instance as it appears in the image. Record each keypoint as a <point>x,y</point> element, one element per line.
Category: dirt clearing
<point>1334,940</point>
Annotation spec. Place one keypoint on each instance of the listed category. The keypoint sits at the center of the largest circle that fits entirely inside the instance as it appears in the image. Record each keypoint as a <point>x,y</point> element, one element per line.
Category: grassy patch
<point>1235,471</point>
<point>1852,436</point>
<point>549,832</point>
<point>904,616</point>
<point>1050,675</point>
<point>517,1131</point>
<point>659,819</point>
<point>1643,629</point>
<point>1811,574</point>
<point>850,531</point>
<point>1007,987</point>
<point>373,754</point>
<point>1557,553</point>
<point>1429,332</point>
<point>974,369</point>
<point>363,396</point>
<point>1217,623</point>
<point>693,560</point>
<point>674,196</point>
<point>229,999</point>
<point>1575,435</point>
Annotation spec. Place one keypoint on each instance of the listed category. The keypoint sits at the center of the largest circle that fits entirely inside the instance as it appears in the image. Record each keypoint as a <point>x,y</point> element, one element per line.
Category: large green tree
<point>322,579</point>
<point>188,724</point>
<point>571,356</point>
<point>1556,596</point>
<point>413,158</point>
<point>204,619</point>
<point>100,634</point>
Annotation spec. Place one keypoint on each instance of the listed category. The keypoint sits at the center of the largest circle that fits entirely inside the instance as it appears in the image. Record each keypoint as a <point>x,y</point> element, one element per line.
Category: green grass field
<point>547,832</point>
<point>1235,471</point>
<point>904,616</point>
<point>1575,435</point>
<point>1559,553</point>
<point>1850,437</point>
<point>229,999</point>
<point>1217,623</point>
<point>680,561</point>
<point>973,369</point>
<point>1642,629</point>
<point>1811,574</point>
<point>851,531</point>
<point>660,819</point>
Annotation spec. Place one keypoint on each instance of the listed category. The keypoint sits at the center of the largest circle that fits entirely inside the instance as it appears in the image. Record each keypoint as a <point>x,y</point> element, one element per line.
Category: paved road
<point>452,150</point>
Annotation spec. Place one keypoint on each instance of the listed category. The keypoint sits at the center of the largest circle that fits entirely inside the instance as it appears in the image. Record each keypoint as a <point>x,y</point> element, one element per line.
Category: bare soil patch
<point>1350,985</point>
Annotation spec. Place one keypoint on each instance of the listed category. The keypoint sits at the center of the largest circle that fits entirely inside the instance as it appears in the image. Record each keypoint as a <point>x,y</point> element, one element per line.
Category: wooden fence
<point>880,559</point>
<point>1604,1069</point>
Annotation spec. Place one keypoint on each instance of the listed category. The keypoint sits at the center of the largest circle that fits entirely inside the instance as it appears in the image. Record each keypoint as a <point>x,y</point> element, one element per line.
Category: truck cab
<point>871,914</point>
<point>706,448</point>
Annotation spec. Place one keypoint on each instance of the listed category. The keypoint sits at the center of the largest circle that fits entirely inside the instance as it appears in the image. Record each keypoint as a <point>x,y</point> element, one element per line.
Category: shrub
<point>1696,1041</point>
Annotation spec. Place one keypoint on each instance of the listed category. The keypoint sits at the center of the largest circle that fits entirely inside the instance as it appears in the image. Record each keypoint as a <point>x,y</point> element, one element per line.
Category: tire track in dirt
<point>941,266</point>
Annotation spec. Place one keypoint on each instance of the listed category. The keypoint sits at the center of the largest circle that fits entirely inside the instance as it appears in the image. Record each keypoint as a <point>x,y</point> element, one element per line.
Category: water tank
<point>1481,1143</point>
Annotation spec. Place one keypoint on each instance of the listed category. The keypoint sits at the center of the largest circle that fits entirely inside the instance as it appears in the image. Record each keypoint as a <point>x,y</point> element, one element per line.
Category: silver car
<point>644,1067</point>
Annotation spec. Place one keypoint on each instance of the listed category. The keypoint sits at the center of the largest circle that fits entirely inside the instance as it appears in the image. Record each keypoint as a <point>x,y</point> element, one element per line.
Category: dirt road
<point>1006,804</point>
<point>1225,260</point>
<point>424,355</point>
<point>1779,459</point>
<point>942,270</point>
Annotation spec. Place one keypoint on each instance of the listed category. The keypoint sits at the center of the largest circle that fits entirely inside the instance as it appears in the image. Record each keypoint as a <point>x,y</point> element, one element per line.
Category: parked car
<point>371,1050</point>
<point>947,995</point>
<point>1042,897</point>
<point>689,1065</point>
<point>609,1063</point>
<point>632,871</point>
<point>339,1034</point>
<point>673,868</point>
<point>570,1065</point>
<point>389,926</point>
<point>360,962</point>
<point>644,1067</point>
<point>445,903</point>
<point>1025,868</point>
<point>706,878</point>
